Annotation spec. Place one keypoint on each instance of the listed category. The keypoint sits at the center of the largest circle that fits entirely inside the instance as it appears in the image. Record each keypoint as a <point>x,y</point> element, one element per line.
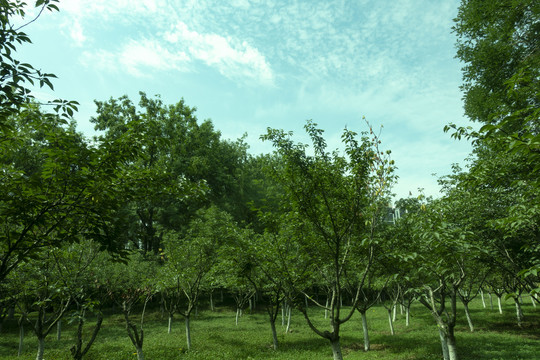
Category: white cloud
<point>139,58</point>
<point>233,58</point>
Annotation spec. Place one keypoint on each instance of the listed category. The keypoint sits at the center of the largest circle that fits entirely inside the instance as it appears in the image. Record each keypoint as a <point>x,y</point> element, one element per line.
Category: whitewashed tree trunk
<point>394,312</point>
<point>390,322</point>
<point>407,315</point>
<point>483,300</point>
<point>491,300</point>
<point>188,333</point>
<point>326,309</point>
<point>500,304</point>
<point>41,349</point>
<point>452,351</point>
<point>532,300</point>
<point>519,313</point>
<point>468,316</point>
<point>170,324</point>
<point>288,319</point>
<point>283,314</point>
<point>336,350</point>
<point>365,330</point>
<point>237,315</point>
<point>444,344</point>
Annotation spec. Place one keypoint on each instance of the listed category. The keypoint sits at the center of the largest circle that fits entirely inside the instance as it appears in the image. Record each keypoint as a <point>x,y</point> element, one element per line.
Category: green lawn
<point>215,336</point>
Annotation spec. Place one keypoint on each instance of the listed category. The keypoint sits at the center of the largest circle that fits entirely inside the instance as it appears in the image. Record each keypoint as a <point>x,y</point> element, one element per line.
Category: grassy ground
<point>215,336</point>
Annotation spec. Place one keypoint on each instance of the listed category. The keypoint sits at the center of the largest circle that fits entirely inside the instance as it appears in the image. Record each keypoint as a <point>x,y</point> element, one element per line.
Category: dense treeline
<point>159,209</point>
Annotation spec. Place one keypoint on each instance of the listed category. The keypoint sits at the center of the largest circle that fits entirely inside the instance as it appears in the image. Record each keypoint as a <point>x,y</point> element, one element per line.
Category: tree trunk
<point>237,315</point>
<point>390,322</point>
<point>169,327</point>
<point>288,319</point>
<point>58,330</point>
<point>188,333</point>
<point>452,350</point>
<point>468,315</point>
<point>532,300</point>
<point>274,332</point>
<point>140,354</point>
<point>491,300</point>
<point>41,348</point>
<point>500,305</point>
<point>326,309</point>
<point>394,310</point>
<point>212,308</point>
<point>21,337</point>
<point>444,344</point>
<point>483,300</point>
<point>283,314</point>
<point>519,313</point>
<point>407,315</point>
<point>336,349</point>
<point>365,330</point>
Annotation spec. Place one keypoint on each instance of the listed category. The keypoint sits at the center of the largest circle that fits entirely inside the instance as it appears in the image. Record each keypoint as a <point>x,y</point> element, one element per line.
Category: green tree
<point>53,187</point>
<point>334,201</point>
<point>498,43</point>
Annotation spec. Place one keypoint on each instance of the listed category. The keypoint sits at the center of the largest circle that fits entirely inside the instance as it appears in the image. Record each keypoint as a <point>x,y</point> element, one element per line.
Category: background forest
<point>159,218</point>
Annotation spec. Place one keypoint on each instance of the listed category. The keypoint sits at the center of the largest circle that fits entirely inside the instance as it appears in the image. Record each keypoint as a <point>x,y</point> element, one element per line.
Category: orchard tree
<point>335,200</point>
<point>130,284</point>
<point>189,259</point>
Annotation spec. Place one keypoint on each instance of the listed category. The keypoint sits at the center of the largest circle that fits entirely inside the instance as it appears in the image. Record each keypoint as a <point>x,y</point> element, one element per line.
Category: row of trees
<point>159,206</point>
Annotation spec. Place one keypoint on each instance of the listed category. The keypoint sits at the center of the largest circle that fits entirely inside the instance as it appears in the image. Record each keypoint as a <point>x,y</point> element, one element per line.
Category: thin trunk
<point>336,350</point>
<point>288,319</point>
<point>274,332</point>
<point>21,337</point>
<point>237,315</point>
<point>326,309</point>
<point>170,324</point>
<point>250,305</point>
<point>401,309</point>
<point>407,315</point>
<point>468,315</point>
<point>491,300</point>
<point>519,313</point>
<point>41,348</point>
<point>532,300</point>
<point>58,329</point>
<point>188,333</point>
<point>283,314</point>
<point>500,305</point>
<point>394,310</point>
<point>212,308</point>
<point>483,300</point>
<point>365,330</point>
<point>444,344</point>
<point>390,322</point>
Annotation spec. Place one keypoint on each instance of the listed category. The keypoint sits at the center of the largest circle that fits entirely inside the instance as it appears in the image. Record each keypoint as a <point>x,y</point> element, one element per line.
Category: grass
<point>215,336</point>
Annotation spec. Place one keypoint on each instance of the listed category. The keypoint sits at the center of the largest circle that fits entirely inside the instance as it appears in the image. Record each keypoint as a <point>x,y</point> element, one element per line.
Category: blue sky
<point>252,64</point>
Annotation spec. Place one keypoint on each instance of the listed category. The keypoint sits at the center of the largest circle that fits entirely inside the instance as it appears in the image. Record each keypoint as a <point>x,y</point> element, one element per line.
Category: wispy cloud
<point>233,58</point>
